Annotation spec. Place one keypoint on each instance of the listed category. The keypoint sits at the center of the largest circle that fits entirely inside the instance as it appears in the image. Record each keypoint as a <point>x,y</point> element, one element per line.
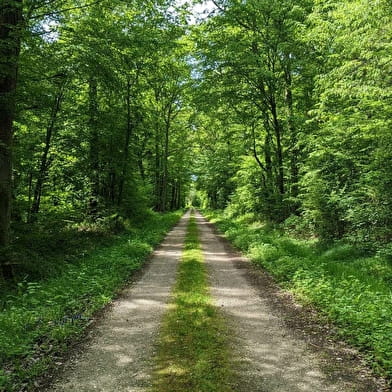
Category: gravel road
<point>269,357</point>
<point>119,356</point>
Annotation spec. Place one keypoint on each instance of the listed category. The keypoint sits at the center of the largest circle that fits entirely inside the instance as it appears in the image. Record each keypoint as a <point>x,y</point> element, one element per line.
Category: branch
<point>236,18</point>
<point>67,9</point>
<point>220,8</point>
<point>255,149</point>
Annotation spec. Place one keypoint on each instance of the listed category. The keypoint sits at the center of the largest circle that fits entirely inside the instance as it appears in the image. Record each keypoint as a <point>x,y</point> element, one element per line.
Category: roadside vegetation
<point>350,287</point>
<point>40,318</point>
<point>279,109</point>
<point>193,353</point>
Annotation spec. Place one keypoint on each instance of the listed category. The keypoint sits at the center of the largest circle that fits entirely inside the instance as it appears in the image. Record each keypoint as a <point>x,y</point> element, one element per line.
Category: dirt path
<point>270,357</point>
<point>119,356</point>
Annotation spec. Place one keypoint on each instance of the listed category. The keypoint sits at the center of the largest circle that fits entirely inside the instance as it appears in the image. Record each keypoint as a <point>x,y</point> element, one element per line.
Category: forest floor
<point>276,344</point>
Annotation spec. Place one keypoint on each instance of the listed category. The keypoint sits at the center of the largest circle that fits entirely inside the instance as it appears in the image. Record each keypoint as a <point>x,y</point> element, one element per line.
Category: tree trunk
<point>279,150</point>
<point>30,193</point>
<point>44,166</point>
<point>256,156</point>
<point>178,202</point>
<point>10,29</point>
<point>128,135</point>
<point>165,163</point>
<point>157,171</point>
<point>294,171</point>
<point>173,196</point>
<point>94,148</point>
<point>268,162</point>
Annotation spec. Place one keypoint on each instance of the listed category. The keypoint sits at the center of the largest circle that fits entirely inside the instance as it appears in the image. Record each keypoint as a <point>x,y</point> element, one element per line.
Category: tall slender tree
<point>10,39</point>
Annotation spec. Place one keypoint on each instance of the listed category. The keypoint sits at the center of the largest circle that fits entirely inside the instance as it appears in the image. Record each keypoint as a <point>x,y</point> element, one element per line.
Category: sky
<point>199,10</point>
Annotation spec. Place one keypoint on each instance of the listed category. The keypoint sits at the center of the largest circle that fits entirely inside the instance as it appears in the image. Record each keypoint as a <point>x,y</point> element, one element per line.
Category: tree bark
<point>165,166</point>
<point>173,198</point>
<point>10,38</point>
<point>268,162</point>
<point>157,170</point>
<point>256,156</point>
<point>178,202</point>
<point>294,171</point>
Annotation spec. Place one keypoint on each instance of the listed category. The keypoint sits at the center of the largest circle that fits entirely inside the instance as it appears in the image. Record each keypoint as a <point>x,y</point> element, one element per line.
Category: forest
<point>272,116</point>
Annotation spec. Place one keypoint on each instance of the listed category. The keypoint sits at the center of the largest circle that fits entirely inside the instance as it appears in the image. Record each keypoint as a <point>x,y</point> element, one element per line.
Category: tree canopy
<point>280,109</point>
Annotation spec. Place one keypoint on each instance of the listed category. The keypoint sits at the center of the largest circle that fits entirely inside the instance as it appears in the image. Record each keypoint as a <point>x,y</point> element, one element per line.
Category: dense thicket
<point>96,93</point>
<point>295,103</point>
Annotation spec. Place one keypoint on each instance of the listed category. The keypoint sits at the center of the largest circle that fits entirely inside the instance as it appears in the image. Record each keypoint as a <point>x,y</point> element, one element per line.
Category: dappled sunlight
<point>267,355</point>
<point>117,358</point>
<point>192,352</point>
<point>173,370</point>
<point>165,252</point>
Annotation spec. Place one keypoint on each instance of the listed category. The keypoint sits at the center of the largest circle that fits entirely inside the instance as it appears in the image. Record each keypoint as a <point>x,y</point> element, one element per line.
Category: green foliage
<point>323,206</point>
<point>353,290</point>
<point>279,110</point>
<point>41,317</point>
<point>93,118</point>
<point>345,182</point>
<point>296,115</point>
<point>192,350</point>
<point>257,85</point>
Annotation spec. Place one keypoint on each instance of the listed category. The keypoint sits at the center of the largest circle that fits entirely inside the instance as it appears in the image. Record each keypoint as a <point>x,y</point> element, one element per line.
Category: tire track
<point>119,357</point>
<point>269,357</point>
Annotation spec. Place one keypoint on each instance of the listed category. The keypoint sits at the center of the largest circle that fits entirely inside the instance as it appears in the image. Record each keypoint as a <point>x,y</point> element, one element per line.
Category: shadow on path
<point>119,356</point>
<point>269,357</point>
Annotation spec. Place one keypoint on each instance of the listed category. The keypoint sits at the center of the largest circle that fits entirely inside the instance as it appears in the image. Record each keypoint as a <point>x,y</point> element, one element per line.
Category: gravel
<point>269,356</point>
<point>119,356</point>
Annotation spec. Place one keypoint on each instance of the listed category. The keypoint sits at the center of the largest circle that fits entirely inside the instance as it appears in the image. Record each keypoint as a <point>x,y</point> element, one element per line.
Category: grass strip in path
<point>193,353</point>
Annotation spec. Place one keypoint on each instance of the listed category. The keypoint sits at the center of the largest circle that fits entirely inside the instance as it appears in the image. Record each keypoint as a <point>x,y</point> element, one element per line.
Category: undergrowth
<point>43,249</point>
<point>192,350</point>
<point>352,289</point>
<point>40,318</point>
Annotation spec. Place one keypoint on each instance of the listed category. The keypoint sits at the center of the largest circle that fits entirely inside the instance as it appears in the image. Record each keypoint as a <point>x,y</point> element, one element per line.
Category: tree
<point>83,120</point>
<point>350,150</point>
<point>10,38</point>
<point>253,50</point>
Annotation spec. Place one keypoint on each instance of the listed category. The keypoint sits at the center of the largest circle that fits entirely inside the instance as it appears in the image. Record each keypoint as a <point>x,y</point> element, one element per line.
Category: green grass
<point>39,319</point>
<point>193,354</point>
<point>352,289</point>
